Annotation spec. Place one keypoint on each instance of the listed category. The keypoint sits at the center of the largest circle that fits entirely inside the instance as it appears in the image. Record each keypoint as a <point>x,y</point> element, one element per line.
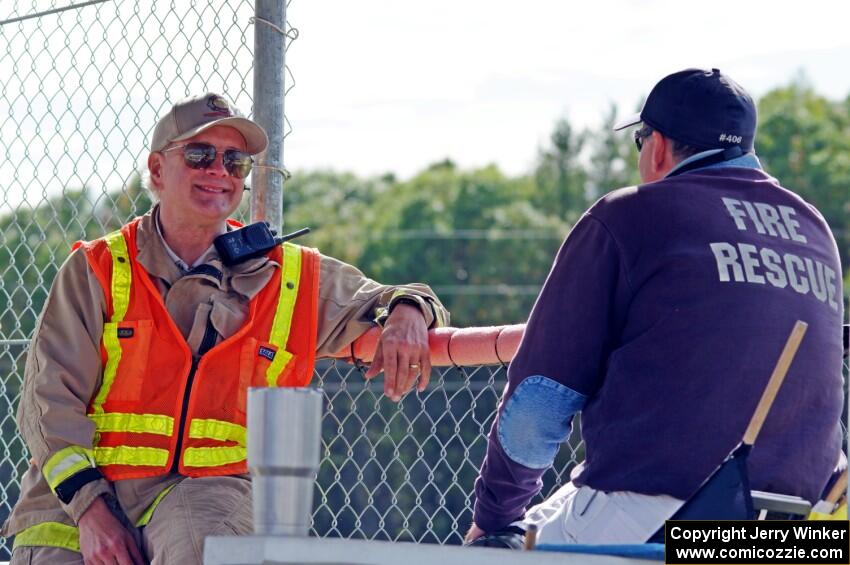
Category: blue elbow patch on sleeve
<point>536,421</point>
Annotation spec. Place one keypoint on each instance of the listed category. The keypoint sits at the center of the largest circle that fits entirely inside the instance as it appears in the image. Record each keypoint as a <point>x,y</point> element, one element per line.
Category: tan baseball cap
<point>191,116</point>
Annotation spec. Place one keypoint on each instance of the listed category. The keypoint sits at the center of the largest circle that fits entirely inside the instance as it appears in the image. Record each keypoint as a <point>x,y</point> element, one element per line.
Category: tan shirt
<point>63,370</point>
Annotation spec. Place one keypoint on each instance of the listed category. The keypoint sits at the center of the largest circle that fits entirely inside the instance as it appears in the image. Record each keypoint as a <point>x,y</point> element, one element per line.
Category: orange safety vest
<point>157,409</point>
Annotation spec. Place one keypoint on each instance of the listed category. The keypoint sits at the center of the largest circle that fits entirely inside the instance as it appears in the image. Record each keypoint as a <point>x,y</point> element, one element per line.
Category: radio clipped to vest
<point>250,241</point>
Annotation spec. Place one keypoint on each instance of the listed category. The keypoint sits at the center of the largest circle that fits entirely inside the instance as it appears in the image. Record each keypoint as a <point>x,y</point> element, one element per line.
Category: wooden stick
<point>837,490</point>
<point>531,537</point>
<point>779,372</point>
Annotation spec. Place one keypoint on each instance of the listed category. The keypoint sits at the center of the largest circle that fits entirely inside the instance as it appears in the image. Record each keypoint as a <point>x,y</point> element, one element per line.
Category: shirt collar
<point>747,161</point>
<point>246,278</point>
<point>181,264</point>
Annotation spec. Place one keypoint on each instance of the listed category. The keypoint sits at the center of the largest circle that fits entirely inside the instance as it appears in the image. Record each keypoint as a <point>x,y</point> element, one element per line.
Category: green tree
<point>560,177</point>
<point>613,161</point>
<point>473,236</point>
<point>337,207</point>
<point>804,141</point>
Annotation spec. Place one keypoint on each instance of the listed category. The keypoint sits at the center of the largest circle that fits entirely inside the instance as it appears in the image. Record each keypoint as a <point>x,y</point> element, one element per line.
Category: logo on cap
<point>219,106</point>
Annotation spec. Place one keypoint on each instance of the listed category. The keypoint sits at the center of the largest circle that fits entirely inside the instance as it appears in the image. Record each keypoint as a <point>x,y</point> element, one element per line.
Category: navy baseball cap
<point>699,107</point>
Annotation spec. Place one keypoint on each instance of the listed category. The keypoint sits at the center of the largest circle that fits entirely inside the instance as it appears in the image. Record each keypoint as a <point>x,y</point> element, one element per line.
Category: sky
<point>388,86</point>
<point>381,86</point>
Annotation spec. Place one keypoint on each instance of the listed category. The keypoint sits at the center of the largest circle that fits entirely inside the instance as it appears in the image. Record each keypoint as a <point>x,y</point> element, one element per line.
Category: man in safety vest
<point>135,387</point>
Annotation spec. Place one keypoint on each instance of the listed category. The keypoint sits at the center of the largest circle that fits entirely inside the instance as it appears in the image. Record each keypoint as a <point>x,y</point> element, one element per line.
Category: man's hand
<point>473,534</point>
<point>402,352</point>
<point>103,540</point>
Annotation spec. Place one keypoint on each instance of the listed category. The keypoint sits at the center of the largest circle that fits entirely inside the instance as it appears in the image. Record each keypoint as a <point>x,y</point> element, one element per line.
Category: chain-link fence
<point>406,471</point>
<point>82,84</point>
<point>389,471</point>
<point>83,88</point>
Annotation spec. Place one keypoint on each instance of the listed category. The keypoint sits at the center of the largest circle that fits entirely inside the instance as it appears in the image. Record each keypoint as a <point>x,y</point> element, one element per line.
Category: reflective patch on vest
<point>536,420</point>
<point>267,353</point>
<point>124,333</point>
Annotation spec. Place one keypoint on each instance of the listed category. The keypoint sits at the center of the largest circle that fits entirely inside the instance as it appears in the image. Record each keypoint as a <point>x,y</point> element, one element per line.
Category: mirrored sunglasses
<point>202,155</point>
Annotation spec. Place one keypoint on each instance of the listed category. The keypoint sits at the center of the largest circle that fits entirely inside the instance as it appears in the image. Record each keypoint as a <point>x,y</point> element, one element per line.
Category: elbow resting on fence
<point>489,345</point>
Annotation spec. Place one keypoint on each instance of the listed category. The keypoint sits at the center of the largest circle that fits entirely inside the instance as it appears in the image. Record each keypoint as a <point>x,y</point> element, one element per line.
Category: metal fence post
<point>269,69</point>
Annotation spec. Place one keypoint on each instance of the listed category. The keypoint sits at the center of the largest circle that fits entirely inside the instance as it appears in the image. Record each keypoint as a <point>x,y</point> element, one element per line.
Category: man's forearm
<point>534,420</point>
<point>351,304</point>
<point>503,489</point>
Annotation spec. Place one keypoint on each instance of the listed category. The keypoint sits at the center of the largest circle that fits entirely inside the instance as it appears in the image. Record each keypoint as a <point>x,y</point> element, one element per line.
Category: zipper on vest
<point>207,343</point>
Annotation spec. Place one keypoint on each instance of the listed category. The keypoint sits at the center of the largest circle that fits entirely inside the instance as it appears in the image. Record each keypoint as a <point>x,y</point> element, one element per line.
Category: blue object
<point>747,161</point>
<point>536,421</point>
<point>648,551</point>
<point>725,495</point>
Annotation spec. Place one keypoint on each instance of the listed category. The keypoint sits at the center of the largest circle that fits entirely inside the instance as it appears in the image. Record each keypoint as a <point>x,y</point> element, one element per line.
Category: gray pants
<point>587,516</point>
<point>193,510</point>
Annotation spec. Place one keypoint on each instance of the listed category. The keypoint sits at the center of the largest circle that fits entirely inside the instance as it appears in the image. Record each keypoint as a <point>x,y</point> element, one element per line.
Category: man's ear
<point>661,158</point>
<point>155,166</point>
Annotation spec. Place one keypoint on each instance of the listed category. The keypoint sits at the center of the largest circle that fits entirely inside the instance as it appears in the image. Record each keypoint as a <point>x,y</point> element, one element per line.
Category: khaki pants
<point>582,515</point>
<point>193,510</point>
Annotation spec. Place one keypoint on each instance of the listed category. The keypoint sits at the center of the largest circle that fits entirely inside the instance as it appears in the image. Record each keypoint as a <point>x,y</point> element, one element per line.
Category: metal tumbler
<point>284,448</point>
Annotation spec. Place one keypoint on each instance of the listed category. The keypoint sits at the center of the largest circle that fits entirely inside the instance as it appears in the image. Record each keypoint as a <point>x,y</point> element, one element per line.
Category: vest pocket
<point>256,358</point>
<point>130,343</point>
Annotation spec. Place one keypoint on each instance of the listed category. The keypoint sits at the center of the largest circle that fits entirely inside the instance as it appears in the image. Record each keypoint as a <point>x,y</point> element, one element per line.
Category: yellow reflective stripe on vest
<point>66,463</point>
<point>120,289</point>
<point>113,357</point>
<point>216,456</point>
<point>146,516</point>
<point>126,455</point>
<point>289,281</point>
<point>213,456</point>
<point>134,423</point>
<point>219,430</point>
<point>50,534</point>
<point>121,275</point>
